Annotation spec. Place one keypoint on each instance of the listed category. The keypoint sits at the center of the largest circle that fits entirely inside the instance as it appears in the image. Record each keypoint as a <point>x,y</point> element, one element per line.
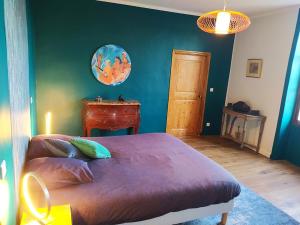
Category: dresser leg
<point>89,133</point>
<point>135,130</point>
<point>84,132</point>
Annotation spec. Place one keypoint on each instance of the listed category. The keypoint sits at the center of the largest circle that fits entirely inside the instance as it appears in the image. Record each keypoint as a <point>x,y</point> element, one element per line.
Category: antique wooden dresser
<point>110,115</point>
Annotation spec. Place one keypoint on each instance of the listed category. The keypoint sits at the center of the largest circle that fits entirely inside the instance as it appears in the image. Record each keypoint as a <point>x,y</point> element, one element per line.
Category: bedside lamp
<point>38,216</point>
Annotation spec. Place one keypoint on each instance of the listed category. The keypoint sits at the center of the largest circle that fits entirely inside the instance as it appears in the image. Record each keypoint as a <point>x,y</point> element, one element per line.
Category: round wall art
<point>111,65</point>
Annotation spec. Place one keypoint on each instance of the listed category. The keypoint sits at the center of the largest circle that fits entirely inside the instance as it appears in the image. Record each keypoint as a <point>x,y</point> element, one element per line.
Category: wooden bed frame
<point>189,215</point>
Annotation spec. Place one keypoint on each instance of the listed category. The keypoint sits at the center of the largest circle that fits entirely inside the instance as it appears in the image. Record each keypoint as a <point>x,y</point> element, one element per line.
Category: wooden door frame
<point>203,102</point>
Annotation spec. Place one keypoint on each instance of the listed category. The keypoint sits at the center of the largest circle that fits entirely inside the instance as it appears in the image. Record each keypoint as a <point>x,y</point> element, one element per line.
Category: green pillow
<point>91,148</point>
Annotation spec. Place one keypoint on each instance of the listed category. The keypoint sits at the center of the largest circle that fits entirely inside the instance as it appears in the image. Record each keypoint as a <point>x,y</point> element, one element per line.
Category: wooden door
<point>188,85</point>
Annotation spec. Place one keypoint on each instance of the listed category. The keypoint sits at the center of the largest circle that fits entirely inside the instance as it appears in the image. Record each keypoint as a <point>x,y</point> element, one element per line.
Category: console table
<point>228,121</point>
<point>110,115</point>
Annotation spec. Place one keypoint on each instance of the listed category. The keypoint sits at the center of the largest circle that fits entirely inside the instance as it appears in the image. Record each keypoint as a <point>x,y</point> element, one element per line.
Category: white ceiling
<point>195,7</point>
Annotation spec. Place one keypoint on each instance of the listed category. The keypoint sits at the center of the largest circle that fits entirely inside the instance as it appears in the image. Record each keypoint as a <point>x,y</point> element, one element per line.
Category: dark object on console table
<point>241,107</point>
<point>228,120</point>
<point>110,115</point>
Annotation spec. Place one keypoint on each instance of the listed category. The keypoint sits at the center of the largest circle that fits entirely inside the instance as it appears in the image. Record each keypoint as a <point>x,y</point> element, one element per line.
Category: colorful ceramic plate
<point>111,65</point>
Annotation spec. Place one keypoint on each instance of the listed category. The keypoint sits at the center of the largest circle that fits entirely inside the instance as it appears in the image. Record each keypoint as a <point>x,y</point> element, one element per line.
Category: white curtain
<point>18,72</point>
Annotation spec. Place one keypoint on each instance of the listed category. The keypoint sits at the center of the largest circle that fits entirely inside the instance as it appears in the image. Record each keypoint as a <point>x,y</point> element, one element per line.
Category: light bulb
<point>223,22</point>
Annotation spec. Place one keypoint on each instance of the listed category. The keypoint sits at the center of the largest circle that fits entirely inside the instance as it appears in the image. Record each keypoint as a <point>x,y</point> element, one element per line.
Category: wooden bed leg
<point>224,219</point>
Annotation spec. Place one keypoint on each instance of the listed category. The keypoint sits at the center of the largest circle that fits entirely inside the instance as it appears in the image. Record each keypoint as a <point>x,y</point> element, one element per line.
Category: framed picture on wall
<point>254,68</point>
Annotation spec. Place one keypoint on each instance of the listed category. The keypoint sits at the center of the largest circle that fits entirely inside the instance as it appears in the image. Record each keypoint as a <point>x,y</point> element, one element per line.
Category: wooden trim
<point>169,97</point>
<point>205,91</point>
<point>203,102</point>
<point>184,52</point>
<point>109,102</point>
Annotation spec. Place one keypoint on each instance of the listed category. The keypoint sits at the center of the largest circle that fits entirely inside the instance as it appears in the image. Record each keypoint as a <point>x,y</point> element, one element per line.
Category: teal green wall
<point>5,134</point>
<point>67,33</point>
<point>287,142</point>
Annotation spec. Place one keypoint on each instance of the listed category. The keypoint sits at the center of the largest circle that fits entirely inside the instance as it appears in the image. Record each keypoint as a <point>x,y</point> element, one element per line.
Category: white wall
<point>18,74</point>
<point>270,38</point>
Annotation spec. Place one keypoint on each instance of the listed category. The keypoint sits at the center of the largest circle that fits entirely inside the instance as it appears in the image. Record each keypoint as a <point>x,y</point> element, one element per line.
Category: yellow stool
<point>59,215</point>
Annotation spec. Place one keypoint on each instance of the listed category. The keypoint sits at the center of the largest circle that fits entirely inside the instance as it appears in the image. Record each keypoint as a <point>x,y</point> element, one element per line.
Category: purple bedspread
<point>148,175</point>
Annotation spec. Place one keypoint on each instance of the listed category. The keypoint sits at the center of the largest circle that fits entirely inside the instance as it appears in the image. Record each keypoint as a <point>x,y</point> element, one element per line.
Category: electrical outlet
<point>208,124</point>
<point>3,170</point>
<point>211,90</point>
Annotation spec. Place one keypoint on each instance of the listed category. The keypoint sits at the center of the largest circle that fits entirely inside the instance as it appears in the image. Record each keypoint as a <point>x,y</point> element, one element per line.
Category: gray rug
<point>250,209</point>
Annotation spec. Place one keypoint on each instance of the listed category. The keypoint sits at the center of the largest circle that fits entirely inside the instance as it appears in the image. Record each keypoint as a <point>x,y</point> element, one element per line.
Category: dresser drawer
<point>111,110</point>
<point>112,122</point>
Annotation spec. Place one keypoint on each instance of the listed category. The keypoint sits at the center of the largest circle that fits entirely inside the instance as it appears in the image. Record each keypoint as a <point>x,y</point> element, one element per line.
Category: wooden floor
<point>276,181</point>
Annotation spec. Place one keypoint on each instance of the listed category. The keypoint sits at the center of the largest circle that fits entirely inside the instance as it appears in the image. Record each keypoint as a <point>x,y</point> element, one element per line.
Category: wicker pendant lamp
<point>223,21</point>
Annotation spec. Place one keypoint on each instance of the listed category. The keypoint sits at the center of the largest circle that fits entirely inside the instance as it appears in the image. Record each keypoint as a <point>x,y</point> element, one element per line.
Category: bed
<point>150,179</point>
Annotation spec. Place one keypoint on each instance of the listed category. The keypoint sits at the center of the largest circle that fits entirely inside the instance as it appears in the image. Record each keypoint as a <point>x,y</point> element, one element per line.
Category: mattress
<point>149,175</point>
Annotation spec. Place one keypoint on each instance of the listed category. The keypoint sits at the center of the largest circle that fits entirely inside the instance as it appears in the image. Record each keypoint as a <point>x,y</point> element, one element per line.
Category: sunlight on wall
<point>5,130</point>
<point>27,126</point>
<point>48,118</point>
<point>4,202</point>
